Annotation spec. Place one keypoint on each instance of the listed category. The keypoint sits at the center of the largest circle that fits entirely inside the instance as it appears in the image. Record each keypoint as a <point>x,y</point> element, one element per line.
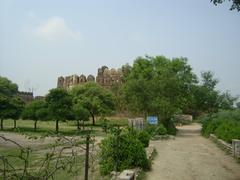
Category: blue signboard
<point>152,120</point>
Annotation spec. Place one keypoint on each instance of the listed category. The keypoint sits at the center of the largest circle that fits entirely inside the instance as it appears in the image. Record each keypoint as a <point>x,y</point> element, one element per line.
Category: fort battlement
<point>105,77</point>
<point>25,96</point>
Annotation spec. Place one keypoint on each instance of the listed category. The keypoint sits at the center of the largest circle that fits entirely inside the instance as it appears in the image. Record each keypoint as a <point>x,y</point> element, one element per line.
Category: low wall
<point>233,148</point>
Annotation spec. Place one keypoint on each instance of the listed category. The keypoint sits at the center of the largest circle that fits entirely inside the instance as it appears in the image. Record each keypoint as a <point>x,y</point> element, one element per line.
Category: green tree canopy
<point>59,105</point>
<point>7,88</point>
<point>226,101</point>
<point>238,105</point>
<point>80,113</point>
<point>94,98</point>
<point>207,99</point>
<point>35,110</point>
<point>16,106</point>
<point>205,96</point>
<point>235,3</point>
<point>10,104</point>
<point>158,85</point>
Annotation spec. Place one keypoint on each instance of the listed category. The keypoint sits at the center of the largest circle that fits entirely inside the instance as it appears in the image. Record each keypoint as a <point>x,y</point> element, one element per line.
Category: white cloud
<point>56,28</point>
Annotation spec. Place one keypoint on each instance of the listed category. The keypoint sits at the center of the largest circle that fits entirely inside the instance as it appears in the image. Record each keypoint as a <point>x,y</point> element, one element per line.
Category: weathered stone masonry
<point>105,77</point>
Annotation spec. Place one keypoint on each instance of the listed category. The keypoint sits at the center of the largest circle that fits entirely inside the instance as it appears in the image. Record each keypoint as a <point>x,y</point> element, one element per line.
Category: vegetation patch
<point>225,125</point>
<point>122,150</point>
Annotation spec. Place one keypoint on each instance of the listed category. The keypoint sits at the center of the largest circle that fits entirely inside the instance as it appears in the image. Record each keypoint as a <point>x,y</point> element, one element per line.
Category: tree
<point>226,101</point>
<point>10,104</point>
<point>238,105</point>
<point>205,96</point>
<point>7,88</point>
<point>4,105</point>
<point>94,98</point>
<point>15,109</point>
<point>59,103</point>
<point>159,86</point>
<point>35,110</point>
<point>235,4</point>
<point>80,113</point>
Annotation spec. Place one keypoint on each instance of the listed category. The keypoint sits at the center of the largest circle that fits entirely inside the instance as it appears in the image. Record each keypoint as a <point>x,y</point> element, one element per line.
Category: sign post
<point>153,120</point>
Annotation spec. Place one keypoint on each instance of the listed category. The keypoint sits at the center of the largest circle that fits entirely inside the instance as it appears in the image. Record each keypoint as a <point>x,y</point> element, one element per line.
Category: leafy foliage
<point>156,130</point>
<point>59,104</point>
<point>122,150</point>
<point>11,105</point>
<point>35,110</point>
<point>226,101</point>
<point>228,130</point>
<point>238,105</point>
<point>157,85</point>
<point>235,4</point>
<point>144,138</point>
<point>94,98</point>
<point>206,99</point>
<point>224,124</point>
<point>7,88</point>
<point>169,125</point>
<point>80,113</point>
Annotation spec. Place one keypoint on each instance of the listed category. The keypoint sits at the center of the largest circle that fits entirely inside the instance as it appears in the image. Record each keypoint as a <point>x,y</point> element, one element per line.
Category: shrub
<point>161,130</point>
<point>144,138</point>
<point>169,125</point>
<point>210,126</point>
<point>122,150</point>
<point>228,130</point>
<point>154,130</point>
<point>224,124</point>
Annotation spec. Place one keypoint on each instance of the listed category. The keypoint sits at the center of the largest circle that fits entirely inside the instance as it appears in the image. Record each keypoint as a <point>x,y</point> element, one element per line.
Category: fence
<point>233,148</point>
<point>64,154</point>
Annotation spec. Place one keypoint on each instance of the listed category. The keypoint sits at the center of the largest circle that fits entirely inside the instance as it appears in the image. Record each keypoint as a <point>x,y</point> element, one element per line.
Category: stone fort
<point>105,77</point>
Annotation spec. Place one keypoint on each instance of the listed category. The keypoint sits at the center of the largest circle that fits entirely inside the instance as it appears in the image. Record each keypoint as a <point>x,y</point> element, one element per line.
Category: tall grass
<point>224,124</point>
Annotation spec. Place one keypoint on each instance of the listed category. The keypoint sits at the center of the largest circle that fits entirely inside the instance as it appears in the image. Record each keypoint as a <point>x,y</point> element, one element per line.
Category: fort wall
<point>105,77</point>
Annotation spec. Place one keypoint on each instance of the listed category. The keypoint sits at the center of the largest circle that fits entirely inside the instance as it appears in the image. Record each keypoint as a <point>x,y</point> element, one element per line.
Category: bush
<point>144,138</point>
<point>224,124</point>
<point>122,150</point>
<point>169,125</point>
<point>161,130</point>
<point>210,126</point>
<point>154,130</point>
<point>228,130</point>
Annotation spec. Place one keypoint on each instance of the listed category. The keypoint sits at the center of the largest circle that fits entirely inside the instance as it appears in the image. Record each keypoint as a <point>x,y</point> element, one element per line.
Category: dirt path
<point>192,157</point>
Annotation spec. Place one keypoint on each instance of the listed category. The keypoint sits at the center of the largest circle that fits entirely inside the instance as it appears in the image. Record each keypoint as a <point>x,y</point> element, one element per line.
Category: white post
<point>236,147</point>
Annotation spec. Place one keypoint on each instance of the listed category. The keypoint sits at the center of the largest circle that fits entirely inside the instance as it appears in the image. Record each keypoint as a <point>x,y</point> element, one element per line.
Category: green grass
<point>117,121</point>
<point>13,154</point>
<point>67,128</point>
<point>35,160</point>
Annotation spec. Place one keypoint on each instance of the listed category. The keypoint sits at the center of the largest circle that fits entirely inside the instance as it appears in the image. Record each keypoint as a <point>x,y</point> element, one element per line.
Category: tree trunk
<point>57,126</point>
<point>2,124</point>
<point>35,125</point>
<point>93,119</point>
<point>145,116</point>
<point>78,124</point>
<point>15,123</point>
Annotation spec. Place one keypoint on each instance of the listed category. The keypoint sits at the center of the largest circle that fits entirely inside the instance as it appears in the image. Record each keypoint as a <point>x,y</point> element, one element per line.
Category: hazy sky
<point>41,40</point>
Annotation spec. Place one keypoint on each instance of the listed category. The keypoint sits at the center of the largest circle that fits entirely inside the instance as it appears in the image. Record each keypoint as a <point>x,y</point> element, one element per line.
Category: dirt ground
<point>192,157</point>
<point>24,141</point>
